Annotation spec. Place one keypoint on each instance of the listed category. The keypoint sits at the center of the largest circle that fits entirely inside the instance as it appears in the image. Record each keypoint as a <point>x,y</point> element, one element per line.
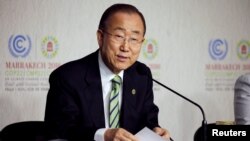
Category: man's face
<point>120,43</point>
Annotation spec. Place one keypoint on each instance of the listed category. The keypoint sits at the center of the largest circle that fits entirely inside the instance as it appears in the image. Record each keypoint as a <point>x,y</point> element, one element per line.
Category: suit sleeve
<point>151,109</point>
<point>62,111</point>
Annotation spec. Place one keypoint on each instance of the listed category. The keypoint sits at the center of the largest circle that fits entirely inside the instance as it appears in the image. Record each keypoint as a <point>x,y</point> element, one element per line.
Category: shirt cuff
<point>99,134</point>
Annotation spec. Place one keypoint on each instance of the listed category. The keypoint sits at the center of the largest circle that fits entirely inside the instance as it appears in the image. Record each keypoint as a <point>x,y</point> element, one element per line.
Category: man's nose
<point>126,45</point>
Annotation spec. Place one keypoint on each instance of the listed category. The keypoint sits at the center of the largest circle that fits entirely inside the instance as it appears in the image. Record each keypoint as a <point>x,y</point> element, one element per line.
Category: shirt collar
<point>106,73</point>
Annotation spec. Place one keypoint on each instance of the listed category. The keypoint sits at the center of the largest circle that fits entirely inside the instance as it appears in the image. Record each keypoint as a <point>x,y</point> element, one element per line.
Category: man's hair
<point>126,8</point>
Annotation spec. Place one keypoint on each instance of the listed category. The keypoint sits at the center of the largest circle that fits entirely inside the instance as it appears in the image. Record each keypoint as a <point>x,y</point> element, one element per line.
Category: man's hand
<point>119,134</point>
<point>162,132</point>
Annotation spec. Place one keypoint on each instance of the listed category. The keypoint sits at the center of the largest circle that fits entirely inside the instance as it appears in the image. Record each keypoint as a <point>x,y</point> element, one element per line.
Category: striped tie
<point>114,103</point>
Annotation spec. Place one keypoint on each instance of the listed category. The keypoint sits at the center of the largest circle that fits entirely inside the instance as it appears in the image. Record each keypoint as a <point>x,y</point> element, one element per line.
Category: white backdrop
<point>197,47</point>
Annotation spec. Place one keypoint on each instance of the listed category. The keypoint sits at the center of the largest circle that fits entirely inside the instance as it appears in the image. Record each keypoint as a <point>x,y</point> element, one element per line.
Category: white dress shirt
<point>106,77</point>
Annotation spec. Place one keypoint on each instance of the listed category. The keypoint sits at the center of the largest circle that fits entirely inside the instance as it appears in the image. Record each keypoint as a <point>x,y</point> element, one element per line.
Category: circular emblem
<point>133,91</point>
<point>218,49</point>
<point>49,46</point>
<point>243,50</point>
<point>19,45</point>
<point>150,49</point>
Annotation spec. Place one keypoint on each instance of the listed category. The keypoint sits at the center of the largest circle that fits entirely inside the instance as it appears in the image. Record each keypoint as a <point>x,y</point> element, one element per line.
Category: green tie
<point>114,103</point>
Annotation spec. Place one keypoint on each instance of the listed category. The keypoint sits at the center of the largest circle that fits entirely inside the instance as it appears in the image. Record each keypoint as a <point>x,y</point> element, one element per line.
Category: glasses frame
<point>122,40</point>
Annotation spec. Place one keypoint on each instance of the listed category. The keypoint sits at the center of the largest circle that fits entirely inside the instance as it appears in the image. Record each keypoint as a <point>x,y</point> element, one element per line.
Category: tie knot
<point>117,79</point>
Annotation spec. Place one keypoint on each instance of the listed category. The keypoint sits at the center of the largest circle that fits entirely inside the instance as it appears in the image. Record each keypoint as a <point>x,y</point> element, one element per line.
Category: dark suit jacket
<point>74,108</point>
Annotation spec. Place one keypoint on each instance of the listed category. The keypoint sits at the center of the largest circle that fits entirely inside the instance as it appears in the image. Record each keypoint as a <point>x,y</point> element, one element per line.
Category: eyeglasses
<point>122,39</point>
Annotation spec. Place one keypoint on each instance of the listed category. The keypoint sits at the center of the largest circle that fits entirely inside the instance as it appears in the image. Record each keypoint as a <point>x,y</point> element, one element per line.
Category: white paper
<point>148,135</point>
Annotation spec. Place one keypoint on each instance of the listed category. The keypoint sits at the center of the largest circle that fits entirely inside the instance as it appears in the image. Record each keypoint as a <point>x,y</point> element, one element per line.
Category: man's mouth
<point>122,58</point>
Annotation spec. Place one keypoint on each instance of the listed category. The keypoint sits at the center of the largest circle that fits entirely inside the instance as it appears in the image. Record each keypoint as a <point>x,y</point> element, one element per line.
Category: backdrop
<point>196,47</point>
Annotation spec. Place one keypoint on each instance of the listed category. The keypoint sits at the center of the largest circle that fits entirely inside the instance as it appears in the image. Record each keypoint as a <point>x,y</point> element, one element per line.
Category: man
<point>242,100</point>
<point>82,92</point>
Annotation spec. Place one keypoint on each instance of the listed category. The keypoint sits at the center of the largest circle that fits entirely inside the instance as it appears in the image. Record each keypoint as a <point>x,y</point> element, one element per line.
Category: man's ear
<point>99,34</point>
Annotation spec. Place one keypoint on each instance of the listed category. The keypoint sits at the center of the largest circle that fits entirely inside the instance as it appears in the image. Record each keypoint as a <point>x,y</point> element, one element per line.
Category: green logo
<point>49,46</point>
<point>150,49</point>
<point>243,49</point>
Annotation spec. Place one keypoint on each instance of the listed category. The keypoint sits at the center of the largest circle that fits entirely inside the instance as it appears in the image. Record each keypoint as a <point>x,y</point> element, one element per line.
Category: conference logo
<point>243,49</point>
<point>218,49</point>
<point>49,46</point>
<point>19,45</point>
<point>150,49</point>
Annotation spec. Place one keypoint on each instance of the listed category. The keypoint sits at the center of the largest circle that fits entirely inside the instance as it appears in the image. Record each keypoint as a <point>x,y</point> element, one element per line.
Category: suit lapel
<point>129,89</point>
<point>129,96</point>
<point>93,92</point>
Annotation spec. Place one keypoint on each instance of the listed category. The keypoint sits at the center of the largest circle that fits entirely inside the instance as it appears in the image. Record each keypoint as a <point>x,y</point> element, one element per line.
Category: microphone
<point>204,122</point>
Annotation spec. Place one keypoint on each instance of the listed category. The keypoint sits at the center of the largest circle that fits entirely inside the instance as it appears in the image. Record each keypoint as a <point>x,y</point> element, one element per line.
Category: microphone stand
<point>204,122</point>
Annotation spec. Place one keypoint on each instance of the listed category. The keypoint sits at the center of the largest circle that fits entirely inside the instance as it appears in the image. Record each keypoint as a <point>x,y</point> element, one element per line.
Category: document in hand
<point>148,135</point>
